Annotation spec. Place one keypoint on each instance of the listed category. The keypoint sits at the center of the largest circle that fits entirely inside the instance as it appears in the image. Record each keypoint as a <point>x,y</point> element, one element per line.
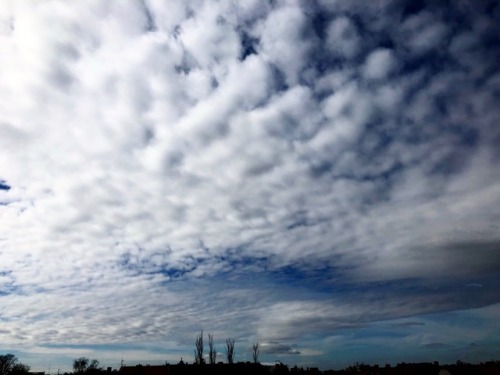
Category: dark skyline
<point>320,177</point>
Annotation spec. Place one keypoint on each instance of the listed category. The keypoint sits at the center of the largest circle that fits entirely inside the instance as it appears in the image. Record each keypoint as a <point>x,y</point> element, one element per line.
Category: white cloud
<point>284,41</point>
<point>343,38</point>
<point>379,64</point>
<point>425,33</point>
<point>147,159</point>
<point>209,37</point>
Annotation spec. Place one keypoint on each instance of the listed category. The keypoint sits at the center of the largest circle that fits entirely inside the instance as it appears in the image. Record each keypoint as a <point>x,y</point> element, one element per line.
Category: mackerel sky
<point>321,177</point>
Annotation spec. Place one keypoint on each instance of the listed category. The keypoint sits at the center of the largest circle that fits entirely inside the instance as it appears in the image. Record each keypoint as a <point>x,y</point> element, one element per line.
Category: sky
<point>320,177</point>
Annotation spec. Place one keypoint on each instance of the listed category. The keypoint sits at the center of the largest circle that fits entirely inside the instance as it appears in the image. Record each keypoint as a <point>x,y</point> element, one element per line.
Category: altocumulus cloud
<point>281,171</point>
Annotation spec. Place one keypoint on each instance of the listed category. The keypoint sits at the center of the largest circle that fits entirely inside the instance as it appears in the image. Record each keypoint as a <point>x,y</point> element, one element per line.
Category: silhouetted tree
<point>10,366</point>
<point>255,352</point>
<point>212,352</point>
<point>94,365</point>
<point>198,353</point>
<point>94,368</point>
<point>7,362</point>
<point>230,350</point>
<point>20,369</point>
<point>80,365</point>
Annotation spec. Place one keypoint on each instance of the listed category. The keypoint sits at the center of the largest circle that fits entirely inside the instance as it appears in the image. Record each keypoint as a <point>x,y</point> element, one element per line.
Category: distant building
<point>240,368</point>
<point>144,370</point>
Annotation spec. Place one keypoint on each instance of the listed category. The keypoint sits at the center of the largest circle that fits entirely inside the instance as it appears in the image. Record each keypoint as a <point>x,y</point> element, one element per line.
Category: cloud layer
<point>273,171</point>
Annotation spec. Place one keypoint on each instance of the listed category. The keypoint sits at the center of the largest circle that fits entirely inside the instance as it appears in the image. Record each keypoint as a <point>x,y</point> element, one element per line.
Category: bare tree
<point>230,350</point>
<point>7,362</point>
<point>255,352</point>
<point>212,352</point>
<point>10,366</point>
<point>198,353</point>
<point>93,367</point>
<point>20,369</point>
<point>80,365</point>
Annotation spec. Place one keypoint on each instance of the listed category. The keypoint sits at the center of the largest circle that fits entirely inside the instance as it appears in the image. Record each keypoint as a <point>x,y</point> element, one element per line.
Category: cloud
<point>409,324</point>
<point>276,348</point>
<point>343,38</point>
<point>435,345</point>
<point>425,32</point>
<point>271,172</point>
<point>379,64</point>
<point>277,38</point>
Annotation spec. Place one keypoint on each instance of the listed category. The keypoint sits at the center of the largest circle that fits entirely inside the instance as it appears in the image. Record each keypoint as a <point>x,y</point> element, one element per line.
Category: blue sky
<point>319,177</point>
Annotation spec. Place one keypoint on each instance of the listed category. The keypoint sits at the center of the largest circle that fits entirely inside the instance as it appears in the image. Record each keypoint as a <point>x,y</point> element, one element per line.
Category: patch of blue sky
<point>394,341</point>
<point>248,45</point>
<point>326,279</point>
<point>379,346</point>
<point>4,185</point>
<point>8,288</point>
<point>377,332</point>
<point>461,318</point>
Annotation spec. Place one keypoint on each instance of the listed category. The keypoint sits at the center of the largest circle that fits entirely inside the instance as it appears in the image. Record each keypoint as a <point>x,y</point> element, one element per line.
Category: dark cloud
<point>435,346</point>
<point>409,324</point>
<point>279,348</point>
